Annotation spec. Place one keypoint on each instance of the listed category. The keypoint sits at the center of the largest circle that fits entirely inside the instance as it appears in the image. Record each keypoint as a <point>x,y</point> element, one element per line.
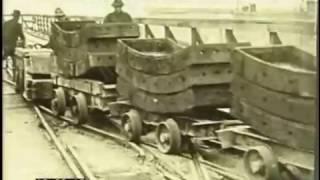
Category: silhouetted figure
<point>118,15</point>
<point>12,31</point>
<point>60,15</point>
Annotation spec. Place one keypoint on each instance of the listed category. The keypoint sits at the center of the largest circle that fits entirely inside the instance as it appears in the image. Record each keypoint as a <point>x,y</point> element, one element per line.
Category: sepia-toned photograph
<point>160,90</point>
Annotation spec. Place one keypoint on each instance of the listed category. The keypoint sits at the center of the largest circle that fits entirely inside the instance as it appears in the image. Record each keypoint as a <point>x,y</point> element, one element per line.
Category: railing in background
<point>40,25</point>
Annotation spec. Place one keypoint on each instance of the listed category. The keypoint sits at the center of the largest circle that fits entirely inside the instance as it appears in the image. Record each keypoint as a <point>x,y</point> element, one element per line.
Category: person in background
<point>12,31</point>
<point>118,15</point>
<point>60,15</point>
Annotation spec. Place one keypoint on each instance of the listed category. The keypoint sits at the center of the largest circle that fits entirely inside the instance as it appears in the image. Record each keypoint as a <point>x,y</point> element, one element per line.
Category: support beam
<point>148,32</point>
<point>195,37</point>
<point>274,38</point>
<point>230,37</point>
<point>168,33</point>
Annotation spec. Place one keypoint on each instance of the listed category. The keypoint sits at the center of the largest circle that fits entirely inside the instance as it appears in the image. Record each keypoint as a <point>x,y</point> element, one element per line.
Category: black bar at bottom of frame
<point>60,179</point>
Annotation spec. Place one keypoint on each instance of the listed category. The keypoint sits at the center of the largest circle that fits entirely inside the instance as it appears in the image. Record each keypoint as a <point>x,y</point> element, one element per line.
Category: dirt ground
<point>104,157</point>
<point>27,152</point>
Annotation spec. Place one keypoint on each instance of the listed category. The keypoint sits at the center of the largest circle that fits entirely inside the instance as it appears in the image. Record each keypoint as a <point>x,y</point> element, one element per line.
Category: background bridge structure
<point>298,32</point>
<point>257,31</point>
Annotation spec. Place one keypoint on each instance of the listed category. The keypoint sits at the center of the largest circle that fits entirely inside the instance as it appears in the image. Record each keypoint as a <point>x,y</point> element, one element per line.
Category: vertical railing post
<point>230,37</point>
<point>38,24</point>
<point>42,24</point>
<point>34,24</point>
<point>148,32</point>
<point>274,38</point>
<point>195,37</point>
<point>168,33</point>
<point>46,25</point>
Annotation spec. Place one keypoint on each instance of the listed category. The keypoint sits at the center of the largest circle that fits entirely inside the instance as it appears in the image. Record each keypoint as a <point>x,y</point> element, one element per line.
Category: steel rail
<point>200,172</point>
<point>85,169</point>
<point>216,168</point>
<point>140,150</point>
<point>9,82</point>
<point>16,107</point>
<point>117,138</point>
<point>59,145</point>
<point>163,166</point>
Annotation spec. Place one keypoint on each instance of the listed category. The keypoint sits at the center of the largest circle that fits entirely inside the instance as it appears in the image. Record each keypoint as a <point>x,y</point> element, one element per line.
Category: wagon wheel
<point>79,109</point>
<point>59,104</point>
<point>132,125</point>
<point>261,164</point>
<point>168,137</point>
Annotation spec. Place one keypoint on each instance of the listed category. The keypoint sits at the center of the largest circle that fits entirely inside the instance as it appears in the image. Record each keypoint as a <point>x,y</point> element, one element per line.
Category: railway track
<point>217,172</point>
<point>198,167</point>
<point>196,164</point>
<point>75,162</point>
<point>67,152</point>
<point>69,155</point>
<point>146,148</point>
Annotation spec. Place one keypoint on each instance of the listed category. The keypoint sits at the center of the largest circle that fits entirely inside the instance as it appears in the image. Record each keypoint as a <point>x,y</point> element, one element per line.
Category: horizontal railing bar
<point>196,22</point>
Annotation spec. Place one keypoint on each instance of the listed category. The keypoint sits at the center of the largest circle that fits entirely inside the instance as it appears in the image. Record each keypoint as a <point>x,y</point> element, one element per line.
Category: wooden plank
<point>293,108</point>
<point>292,134</point>
<point>156,84</point>
<point>217,52</point>
<point>218,96</point>
<point>207,74</point>
<point>39,63</point>
<point>158,103</point>
<point>214,96</point>
<point>102,59</point>
<point>82,85</point>
<point>114,30</point>
<point>64,82</point>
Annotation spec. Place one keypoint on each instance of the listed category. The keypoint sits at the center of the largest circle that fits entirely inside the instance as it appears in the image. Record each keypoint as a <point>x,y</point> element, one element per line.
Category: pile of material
<point>274,91</point>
